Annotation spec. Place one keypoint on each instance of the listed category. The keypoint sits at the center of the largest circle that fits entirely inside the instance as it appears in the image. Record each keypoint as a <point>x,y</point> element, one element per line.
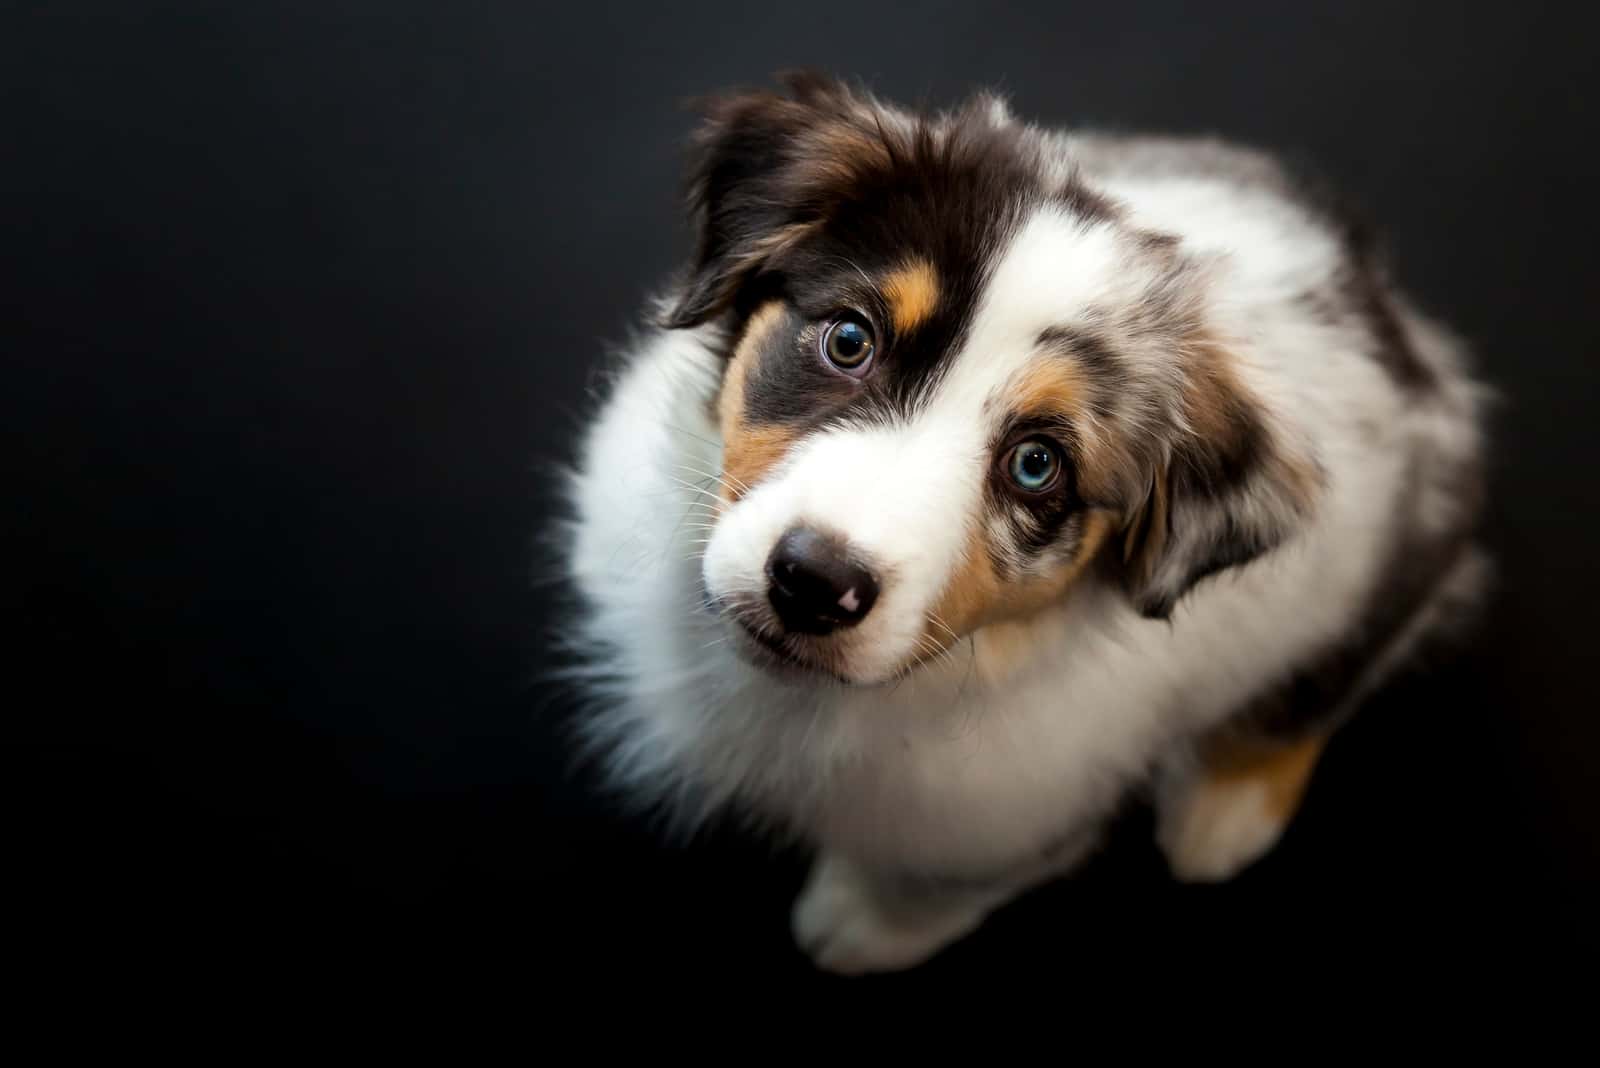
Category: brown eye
<point>848,344</point>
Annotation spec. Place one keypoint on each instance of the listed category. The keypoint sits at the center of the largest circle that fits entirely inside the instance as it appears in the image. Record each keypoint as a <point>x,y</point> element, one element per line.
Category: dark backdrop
<point>300,303</point>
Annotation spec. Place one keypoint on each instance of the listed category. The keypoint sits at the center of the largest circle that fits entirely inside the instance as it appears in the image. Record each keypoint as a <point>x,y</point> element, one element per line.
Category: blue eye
<point>1033,465</point>
<point>848,344</point>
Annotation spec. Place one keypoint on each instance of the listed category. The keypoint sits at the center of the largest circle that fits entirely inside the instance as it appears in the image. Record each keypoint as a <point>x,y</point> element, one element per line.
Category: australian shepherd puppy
<point>976,475</point>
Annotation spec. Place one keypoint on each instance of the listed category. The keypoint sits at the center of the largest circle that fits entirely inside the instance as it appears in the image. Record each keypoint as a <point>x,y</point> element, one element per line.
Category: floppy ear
<point>1225,492</point>
<point>762,168</point>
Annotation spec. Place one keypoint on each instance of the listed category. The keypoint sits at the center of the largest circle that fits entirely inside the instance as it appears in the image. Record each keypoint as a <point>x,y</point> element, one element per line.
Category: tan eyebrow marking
<point>1049,387</point>
<point>912,291</point>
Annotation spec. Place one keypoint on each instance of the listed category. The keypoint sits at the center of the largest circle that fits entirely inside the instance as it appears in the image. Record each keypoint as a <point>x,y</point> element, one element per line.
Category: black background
<point>300,305</point>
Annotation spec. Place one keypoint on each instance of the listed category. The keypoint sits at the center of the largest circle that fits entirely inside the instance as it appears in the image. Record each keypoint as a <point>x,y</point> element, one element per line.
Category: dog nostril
<point>814,586</point>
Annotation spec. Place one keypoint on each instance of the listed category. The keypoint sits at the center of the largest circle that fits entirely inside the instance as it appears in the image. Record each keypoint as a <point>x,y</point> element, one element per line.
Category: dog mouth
<point>773,653</point>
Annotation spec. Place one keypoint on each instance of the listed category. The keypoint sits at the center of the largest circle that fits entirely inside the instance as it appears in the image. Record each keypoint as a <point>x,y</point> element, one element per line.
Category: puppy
<point>978,475</point>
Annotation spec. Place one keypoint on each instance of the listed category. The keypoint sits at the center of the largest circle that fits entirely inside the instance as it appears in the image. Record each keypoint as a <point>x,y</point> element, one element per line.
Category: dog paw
<point>845,928</point>
<point>1218,830</point>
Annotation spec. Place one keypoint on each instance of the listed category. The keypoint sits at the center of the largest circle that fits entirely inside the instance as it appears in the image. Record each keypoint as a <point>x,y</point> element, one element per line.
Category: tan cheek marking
<point>968,595</point>
<point>978,598</point>
<point>1034,592</point>
<point>976,595</point>
<point>912,292</point>
<point>748,449</point>
<point>750,455</point>
<point>1283,770</point>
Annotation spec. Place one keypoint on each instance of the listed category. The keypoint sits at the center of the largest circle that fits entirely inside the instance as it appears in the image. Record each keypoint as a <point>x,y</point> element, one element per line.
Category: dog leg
<point>850,921</point>
<point>1221,812</point>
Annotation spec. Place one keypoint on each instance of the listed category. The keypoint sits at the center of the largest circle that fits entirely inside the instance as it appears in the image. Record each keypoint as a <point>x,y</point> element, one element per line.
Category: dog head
<point>955,378</point>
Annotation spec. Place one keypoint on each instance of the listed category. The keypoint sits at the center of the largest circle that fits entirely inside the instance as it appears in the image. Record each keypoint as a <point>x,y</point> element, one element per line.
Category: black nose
<point>815,588</point>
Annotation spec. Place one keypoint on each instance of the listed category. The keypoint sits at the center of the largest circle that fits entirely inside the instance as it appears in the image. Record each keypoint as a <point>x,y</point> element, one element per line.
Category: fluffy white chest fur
<point>962,759</point>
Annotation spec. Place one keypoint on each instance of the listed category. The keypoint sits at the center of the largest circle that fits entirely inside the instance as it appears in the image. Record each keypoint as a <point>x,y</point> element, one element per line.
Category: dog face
<point>956,378</point>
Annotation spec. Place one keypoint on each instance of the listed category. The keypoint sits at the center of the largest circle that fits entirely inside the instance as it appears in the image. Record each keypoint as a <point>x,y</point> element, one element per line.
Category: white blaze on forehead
<point>1056,266</point>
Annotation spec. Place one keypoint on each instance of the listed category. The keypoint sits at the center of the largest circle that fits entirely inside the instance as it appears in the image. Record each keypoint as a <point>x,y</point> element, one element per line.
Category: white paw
<point>844,928</point>
<point>1218,830</point>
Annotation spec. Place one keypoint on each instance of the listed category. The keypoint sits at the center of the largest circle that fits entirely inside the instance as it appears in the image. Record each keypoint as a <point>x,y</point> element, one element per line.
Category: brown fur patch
<point>837,154</point>
<point>978,597</point>
<point>747,457</point>
<point>1225,416</point>
<point>748,449</point>
<point>1282,769</point>
<point>968,594</point>
<point>1230,489</point>
<point>912,292</point>
<point>1054,386</point>
<point>1060,386</point>
<point>1147,530</point>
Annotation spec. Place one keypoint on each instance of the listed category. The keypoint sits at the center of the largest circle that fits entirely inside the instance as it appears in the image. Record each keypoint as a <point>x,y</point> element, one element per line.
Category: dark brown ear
<point>1227,492</point>
<point>759,180</point>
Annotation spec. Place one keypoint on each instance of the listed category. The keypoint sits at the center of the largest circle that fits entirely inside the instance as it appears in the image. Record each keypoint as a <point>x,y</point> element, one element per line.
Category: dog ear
<point>764,169</point>
<point>1225,493</point>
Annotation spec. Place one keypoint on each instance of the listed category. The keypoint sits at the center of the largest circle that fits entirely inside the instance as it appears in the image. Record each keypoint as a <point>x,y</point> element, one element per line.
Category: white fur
<point>974,764</point>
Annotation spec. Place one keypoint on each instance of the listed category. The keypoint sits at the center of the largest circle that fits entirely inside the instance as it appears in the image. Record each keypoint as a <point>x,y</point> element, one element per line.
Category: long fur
<point>1271,428</point>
